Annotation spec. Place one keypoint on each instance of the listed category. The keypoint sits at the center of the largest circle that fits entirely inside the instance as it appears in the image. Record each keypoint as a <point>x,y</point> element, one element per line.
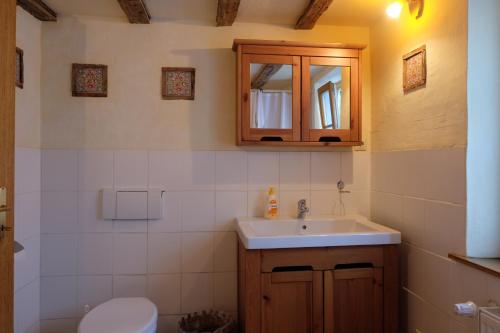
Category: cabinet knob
<point>266,298</point>
<point>245,97</point>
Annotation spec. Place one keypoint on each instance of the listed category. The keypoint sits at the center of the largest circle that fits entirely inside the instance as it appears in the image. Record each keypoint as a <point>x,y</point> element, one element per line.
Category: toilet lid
<point>121,315</point>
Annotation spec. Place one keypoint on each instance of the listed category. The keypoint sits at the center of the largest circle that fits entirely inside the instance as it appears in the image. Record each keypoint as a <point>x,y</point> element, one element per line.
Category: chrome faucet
<point>302,209</point>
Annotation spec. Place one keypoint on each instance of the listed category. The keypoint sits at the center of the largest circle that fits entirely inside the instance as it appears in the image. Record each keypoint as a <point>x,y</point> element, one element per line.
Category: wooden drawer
<point>321,258</point>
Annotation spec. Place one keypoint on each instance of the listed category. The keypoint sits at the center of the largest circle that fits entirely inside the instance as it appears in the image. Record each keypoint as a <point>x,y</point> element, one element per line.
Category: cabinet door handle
<point>266,298</point>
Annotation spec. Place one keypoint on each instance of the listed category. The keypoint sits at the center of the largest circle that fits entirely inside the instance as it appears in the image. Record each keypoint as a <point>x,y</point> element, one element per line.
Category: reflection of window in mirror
<point>271,96</point>
<point>326,105</point>
<point>330,97</point>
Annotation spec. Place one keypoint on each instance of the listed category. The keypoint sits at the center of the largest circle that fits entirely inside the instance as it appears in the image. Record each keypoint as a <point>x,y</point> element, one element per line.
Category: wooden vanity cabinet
<point>292,302</point>
<point>298,93</point>
<point>314,290</point>
<point>354,300</point>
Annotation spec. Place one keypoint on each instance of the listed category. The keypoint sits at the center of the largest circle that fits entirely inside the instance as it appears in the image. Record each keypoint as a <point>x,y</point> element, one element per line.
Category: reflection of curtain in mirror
<point>271,109</point>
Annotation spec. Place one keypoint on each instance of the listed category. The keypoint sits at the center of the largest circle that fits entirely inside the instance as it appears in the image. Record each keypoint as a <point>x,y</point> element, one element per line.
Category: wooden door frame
<point>7,114</point>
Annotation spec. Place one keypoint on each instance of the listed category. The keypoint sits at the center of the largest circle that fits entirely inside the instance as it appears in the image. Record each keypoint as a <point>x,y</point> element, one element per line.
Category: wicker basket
<point>207,322</point>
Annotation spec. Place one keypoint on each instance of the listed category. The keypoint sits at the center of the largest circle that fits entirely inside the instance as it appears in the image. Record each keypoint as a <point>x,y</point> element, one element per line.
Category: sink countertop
<point>325,231</point>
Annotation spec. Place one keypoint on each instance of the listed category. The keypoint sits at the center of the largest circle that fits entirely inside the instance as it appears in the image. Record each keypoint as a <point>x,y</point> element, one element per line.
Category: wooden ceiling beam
<point>267,71</point>
<point>38,9</point>
<point>136,11</point>
<point>312,13</point>
<point>227,11</point>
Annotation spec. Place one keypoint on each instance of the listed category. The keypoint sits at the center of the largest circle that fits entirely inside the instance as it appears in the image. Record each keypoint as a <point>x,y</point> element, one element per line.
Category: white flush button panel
<point>132,204</point>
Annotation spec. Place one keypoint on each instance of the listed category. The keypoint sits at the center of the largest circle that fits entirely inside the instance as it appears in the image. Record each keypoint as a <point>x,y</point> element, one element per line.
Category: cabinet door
<point>330,99</point>
<point>292,302</point>
<point>270,109</point>
<point>354,300</point>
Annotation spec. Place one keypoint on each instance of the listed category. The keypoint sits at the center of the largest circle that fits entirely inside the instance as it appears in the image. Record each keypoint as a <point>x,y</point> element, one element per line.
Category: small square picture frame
<point>19,68</point>
<point>178,83</point>
<point>89,80</point>
<point>415,69</point>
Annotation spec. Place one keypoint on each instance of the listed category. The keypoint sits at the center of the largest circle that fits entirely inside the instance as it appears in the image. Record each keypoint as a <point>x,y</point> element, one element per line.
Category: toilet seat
<point>121,315</point>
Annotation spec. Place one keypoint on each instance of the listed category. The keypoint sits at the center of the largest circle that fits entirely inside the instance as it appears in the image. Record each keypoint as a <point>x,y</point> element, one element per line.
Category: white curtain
<point>271,109</point>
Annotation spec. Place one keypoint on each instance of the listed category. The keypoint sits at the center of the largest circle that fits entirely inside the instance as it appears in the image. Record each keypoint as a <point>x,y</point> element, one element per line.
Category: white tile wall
<point>27,307</point>
<point>93,290</point>
<point>59,212</point>
<point>164,253</point>
<point>58,297</point>
<point>27,232</point>
<point>130,253</point>
<point>165,292</point>
<point>186,261</point>
<point>59,254</point>
<point>129,285</point>
<point>422,193</point>
<point>59,170</point>
<point>27,268</point>
<point>95,253</point>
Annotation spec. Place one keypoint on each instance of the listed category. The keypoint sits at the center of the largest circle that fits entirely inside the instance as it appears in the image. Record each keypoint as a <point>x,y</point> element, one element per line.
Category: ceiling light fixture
<point>394,10</point>
<point>416,8</point>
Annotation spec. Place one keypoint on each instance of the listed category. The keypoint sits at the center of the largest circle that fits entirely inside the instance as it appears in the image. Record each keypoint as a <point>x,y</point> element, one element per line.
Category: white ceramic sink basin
<point>259,233</point>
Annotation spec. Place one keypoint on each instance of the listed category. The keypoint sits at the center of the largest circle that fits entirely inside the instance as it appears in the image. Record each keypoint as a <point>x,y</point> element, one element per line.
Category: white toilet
<point>121,315</point>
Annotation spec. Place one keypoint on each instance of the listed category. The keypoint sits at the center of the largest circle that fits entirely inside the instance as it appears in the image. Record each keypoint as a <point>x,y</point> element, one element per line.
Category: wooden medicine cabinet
<point>298,93</point>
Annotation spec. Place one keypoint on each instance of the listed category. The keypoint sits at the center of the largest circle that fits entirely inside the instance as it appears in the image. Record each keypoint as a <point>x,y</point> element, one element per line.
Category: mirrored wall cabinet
<point>298,93</point>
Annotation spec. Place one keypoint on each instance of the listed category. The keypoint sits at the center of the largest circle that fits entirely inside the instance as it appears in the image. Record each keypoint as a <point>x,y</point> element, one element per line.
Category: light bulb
<point>394,10</point>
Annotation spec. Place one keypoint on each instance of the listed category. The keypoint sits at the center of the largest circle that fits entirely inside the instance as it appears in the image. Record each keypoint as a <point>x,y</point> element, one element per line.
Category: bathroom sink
<point>259,233</point>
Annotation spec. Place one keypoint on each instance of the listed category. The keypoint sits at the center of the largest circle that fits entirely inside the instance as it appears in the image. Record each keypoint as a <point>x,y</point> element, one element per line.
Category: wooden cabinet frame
<point>301,55</point>
<point>258,269</point>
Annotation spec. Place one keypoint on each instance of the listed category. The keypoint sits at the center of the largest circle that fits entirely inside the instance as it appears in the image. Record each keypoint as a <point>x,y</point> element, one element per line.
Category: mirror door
<point>330,105</point>
<point>271,98</point>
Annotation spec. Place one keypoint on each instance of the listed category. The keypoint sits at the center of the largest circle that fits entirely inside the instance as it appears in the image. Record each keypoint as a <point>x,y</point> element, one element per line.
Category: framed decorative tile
<point>177,83</point>
<point>90,80</point>
<point>414,69</point>
<point>19,68</point>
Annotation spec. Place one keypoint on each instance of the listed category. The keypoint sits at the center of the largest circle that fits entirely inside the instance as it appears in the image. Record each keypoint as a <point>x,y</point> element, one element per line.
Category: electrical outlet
<point>86,308</point>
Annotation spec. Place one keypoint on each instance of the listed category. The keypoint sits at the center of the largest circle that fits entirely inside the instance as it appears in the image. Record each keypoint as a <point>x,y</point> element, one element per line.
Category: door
<point>354,301</point>
<point>270,109</point>
<point>7,97</point>
<point>292,302</point>
<point>330,99</point>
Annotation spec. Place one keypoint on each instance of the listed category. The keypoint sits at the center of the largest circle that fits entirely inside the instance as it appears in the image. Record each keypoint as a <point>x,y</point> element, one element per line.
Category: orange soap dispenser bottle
<point>272,204</point>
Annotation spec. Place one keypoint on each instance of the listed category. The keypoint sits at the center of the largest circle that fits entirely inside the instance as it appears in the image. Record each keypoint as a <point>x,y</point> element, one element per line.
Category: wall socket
<point>86,308</point>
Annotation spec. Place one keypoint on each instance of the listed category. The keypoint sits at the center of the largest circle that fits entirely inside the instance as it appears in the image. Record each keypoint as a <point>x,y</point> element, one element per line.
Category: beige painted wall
<point>418,165</point>
<point>134,116</point>
<point>28,99</point>
<point>433,117</point>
